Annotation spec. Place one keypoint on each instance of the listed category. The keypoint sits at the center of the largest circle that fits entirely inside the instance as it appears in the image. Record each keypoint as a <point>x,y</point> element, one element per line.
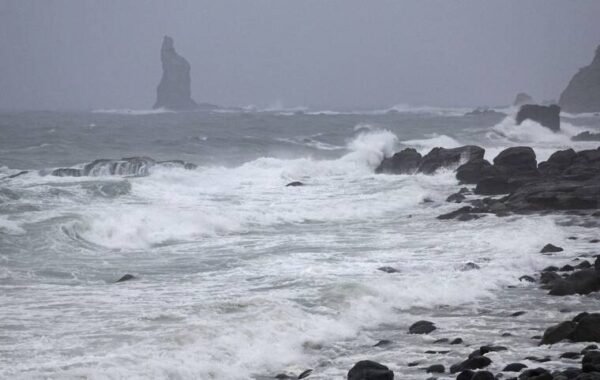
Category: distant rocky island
<point>174,90</point>
<point>583,92</point>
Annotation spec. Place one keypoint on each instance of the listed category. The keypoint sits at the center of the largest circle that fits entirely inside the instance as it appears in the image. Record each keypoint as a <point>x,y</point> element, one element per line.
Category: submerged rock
<point>547,116</point>
<point>128,166</point>
<point>551,248</point>
<point>126,277</point>
<point>421,327</point>
<point>294,184</point>
<point>174,90</point>
<point>583,91</point>
<point>586,136</point>
<point>370,370</point>
<point>476,362</point>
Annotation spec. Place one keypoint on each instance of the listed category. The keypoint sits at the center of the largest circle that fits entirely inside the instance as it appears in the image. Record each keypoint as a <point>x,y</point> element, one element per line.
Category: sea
<point>238,276</point>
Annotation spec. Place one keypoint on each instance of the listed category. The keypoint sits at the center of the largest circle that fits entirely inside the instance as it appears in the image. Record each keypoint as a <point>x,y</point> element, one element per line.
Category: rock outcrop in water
<point>174,90</point>
<point>583,91</point>
<point>130,166</point>
<point>548,116</point>
<point>409,161</point>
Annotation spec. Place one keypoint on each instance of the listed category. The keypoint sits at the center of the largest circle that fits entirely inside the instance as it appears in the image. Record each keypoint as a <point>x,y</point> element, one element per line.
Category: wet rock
<point>535,374</point>
<point>483,375</point>
<point>413,364</point>
<point>517,161</point>
<point>555,334</point>
<point>548,116</point>
<point>518,313</point>
<point>527,278</point>
<point>474,170</point>
<point>567,268</point>
<point>370,370</point>
<point>421,327</point>
<point>586,136</point>
<point>469,266</point>
<point>388,269</point>
<point>457,341</point>
<point>591,347</point>
<point>305,374</point>
<point>588,329</point>
<point>294,184</point>
<point>439,158</point>
<point>551,268</point>
<point>514,367</point>
<point>463,214</point>
<point>67,172</point>
<point>436,368</point>
<point>477,362</point>
<point>583,265</point>
<point>570,355</point>
<point>539,360</point>
<point>456,198</point>
<point>580,282</point>
<point>383,343</point>
<point>126,277</point>
<point>443,340</point>
<point>465,375</point>
<point>406,161</point>
<point>591,361</point>
<point>551,248</point>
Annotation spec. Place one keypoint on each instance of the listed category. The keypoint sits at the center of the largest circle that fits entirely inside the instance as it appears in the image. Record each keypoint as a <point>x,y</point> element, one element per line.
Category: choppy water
<point>240,277</point>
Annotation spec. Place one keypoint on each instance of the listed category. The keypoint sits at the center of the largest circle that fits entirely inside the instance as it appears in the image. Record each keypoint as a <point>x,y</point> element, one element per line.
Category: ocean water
<point>241,277</point>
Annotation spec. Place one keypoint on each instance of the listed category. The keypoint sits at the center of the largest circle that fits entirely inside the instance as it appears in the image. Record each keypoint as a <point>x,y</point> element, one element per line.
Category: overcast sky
<point>90,54</point>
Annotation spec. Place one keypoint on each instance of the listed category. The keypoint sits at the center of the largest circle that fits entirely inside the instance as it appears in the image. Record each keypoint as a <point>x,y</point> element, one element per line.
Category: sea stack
<point>583,92</point>
<point>174,90</point>
<point>547,116</point>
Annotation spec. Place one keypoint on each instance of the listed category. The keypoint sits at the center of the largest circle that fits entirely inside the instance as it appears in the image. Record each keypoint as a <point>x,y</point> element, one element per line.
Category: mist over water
<point>239,276</point>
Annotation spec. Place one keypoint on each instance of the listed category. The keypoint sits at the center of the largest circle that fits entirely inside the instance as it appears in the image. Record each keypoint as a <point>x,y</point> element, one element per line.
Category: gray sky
<point>60,54</point>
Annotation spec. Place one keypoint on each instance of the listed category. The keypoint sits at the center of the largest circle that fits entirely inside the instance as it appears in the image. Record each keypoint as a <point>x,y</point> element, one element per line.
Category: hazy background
<point>59,54</point>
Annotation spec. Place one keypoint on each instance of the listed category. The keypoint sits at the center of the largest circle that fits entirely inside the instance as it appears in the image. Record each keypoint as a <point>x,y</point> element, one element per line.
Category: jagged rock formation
<point>583,92</point>
<point>548,116</point>
<point>174,91</point>
<point>523,98</point>
<point>409,161</point>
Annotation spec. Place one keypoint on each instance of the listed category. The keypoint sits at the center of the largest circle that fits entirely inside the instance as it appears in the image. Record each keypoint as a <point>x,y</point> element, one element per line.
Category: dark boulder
<point>483,375</point>
<point>463,214</point>
<point>557,162</point>
<point>421,327</point>
<point>477,362</point>
<point>514,367</point>
<point>551,248</point>
<point>388,269</point>
<point>495,185</point>
<point>370,370</point>
<point>465,375</point>
<point>587,330</point>
<point>548,116</point>
<point>591,361</point>
<point>439,158</point>
<point>457,341</point>
<point>294,184</point>
<point>555,334</point>
<point>584,281</point>
<point>406,161</point>
<point>456,198</point>
<point>517,161</point>
<point>555,194</point>
<point>436,368</point>
<point>535,374</point>
<point>474,170</point>
<point>126,277</point>
<point>67,172</point>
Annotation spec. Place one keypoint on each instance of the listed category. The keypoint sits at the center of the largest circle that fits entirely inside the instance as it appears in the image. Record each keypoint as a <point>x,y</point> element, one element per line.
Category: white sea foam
<point>133,112</point>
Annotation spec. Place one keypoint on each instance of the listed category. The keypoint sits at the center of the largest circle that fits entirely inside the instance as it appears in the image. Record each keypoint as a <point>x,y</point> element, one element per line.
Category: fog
<point>60,54</point>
